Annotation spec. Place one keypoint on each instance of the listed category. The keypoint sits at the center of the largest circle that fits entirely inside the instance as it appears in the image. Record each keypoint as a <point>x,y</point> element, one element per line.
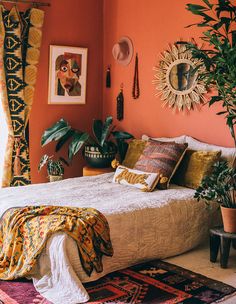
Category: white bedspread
<point>143,226</point>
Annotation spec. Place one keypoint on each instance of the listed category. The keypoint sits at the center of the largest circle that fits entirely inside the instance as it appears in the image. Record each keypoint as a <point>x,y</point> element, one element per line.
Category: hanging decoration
<point>176,78</point>
<point>136,89</point>
<point>120,104</point>
<point>20,40</point>
<point>108,77</point>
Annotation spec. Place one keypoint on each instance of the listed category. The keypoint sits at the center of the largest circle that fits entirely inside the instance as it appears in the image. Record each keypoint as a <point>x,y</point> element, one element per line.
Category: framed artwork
<point>67,75</point>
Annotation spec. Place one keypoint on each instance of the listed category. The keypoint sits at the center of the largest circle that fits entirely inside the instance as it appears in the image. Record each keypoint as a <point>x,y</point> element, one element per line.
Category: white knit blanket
<point>143,226</point>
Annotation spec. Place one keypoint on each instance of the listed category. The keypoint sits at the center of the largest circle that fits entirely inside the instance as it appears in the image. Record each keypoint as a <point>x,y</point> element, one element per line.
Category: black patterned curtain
<point>20,41</point>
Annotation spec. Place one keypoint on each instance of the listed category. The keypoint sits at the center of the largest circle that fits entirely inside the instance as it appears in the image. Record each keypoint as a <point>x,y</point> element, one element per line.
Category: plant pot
<point>229,219</point>
<point>96,159</point>
<point>55,178</point>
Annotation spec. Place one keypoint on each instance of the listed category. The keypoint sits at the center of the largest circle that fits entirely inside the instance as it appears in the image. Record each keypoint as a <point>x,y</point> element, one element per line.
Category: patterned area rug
<point>154,282</point>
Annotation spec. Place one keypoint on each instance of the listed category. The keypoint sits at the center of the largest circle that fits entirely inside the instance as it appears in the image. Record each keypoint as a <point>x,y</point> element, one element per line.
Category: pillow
<point>141,180</point>
<point>135,149</point>
<point>178,139</point>
<point>194,166</point>
<point>228,154</point>
<point>163,158</point>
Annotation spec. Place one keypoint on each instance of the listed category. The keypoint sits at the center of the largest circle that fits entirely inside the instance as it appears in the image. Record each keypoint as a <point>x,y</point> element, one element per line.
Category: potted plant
<point>219,59</point>
<point>220,186</point>
<point>100,149</point>
<point>55,168</point>
<point>219,21</point>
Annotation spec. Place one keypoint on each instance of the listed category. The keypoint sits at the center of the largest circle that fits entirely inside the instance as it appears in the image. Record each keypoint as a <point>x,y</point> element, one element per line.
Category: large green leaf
<point>56,132</point>
<point>79,139</point>
<point>97,129</point>
<point>122,135</point>
<point>106,129</point>
<point>208,3</point>
<point>64,139</point>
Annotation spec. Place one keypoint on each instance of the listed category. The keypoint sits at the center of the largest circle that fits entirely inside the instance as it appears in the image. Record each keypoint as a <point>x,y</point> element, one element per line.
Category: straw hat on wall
<point>123,51</point>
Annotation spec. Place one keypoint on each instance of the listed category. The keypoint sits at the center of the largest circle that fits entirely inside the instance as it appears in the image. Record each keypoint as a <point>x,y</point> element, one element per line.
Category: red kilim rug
<point>154,282</point>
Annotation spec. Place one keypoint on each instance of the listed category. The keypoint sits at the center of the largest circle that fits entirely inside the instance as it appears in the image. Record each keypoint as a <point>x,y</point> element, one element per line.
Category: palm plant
<point>104,137</point>
<point>219,22</point>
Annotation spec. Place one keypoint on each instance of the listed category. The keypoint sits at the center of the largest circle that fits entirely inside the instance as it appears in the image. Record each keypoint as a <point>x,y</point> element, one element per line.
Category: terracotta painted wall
<point>71,23</point>
<point>152,24</point>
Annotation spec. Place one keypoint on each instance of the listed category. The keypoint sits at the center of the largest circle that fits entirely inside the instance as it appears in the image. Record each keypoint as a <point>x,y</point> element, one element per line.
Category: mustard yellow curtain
<point>20,40</point>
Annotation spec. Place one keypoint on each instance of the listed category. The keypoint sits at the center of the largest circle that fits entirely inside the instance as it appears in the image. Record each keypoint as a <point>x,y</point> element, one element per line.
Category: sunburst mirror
<point>176,79</point>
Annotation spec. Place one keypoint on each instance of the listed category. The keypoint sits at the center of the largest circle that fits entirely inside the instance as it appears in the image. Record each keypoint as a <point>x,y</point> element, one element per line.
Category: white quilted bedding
<point>143,226</point>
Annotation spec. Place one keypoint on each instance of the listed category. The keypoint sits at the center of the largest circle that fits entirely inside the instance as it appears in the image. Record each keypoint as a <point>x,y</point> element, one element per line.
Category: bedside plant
<point>218,19</point>
<point>220,186</point>
<point>100,149</point>
<point>219,22</point>
<point>55,168</point>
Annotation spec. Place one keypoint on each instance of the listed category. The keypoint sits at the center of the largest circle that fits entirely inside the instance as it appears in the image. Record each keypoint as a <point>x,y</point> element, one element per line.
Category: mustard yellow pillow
<point>194,166</point>
<point>135,149</point>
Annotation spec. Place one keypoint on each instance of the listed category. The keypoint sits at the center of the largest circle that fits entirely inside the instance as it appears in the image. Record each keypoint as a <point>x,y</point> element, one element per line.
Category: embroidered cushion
<point>135,149</point>
<point>162,158</point>
<point>141,180</point>
<point>194,167</point>
<point>178,139</point>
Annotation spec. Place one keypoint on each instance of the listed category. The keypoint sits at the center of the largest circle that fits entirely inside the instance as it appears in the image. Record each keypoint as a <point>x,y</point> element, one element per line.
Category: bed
<point>143,226</point>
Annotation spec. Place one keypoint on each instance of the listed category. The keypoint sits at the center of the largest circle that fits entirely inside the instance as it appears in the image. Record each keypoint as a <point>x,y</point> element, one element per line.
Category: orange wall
<point>71,23</point>
<point>151,25</point>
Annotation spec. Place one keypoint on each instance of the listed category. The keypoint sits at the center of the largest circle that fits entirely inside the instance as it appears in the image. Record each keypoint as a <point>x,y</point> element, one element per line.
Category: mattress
<point>143,226</point>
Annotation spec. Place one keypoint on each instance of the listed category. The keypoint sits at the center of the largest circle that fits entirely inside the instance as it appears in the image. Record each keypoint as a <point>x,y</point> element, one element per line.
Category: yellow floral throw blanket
<point>24,232</point>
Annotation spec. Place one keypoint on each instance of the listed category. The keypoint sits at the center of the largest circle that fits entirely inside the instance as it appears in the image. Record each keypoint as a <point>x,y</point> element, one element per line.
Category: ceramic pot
<point>96,159</point>
<point>229,219</point>
<point>55,178</point>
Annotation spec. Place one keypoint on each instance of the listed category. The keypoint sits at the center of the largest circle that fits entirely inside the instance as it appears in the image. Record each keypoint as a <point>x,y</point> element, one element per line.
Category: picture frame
<point>67,75</point>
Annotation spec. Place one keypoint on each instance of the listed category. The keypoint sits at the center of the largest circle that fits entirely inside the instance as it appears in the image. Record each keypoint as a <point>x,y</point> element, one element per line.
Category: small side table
<point>222,240</point>
<point>89,171</point>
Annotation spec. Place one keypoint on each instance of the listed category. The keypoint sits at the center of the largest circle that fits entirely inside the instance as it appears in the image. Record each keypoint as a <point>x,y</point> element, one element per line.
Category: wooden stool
<point>222,240</point>
<point>89,171</point>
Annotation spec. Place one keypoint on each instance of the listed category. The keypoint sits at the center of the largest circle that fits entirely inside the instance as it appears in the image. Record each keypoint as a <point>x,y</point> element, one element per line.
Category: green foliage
<point>220,186</point>
<point>54,167</point>
<point>219,21</point>
<point>63,133</point>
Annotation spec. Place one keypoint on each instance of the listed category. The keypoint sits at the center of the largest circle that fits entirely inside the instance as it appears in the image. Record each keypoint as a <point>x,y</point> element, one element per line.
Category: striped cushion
<point>163,158</point>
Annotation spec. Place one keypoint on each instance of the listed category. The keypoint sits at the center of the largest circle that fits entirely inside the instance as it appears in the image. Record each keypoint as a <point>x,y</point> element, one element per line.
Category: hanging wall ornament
<point>176,78</point>
<point>120,104</point>
<point>136,89</point>
<point>108,77</point>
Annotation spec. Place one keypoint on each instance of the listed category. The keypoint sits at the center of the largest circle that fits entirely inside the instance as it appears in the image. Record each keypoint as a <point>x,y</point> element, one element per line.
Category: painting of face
<point>67,75</point>
<point>68,71</point>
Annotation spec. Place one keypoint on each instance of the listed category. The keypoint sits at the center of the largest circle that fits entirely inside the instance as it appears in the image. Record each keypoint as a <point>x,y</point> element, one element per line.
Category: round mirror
<point>181,77</point>
<point>176,79</point>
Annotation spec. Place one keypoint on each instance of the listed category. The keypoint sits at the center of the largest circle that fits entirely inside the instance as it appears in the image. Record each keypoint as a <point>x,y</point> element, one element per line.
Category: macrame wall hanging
<point>120,104</point>
<point>136,89</point>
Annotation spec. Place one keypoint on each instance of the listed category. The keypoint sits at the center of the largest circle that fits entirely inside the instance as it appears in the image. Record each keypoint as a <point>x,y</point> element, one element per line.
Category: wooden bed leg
<point>214,247</point>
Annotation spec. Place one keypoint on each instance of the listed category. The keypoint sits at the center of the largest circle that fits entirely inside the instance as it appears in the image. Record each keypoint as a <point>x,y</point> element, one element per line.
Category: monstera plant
<point>100,148</point>
<point>218,19</point>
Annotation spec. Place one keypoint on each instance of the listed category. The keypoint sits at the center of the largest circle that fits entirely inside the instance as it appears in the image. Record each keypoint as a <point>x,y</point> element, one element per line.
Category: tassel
<point>120,105</point>
<point>17,165</point>
<point>108,77</point>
